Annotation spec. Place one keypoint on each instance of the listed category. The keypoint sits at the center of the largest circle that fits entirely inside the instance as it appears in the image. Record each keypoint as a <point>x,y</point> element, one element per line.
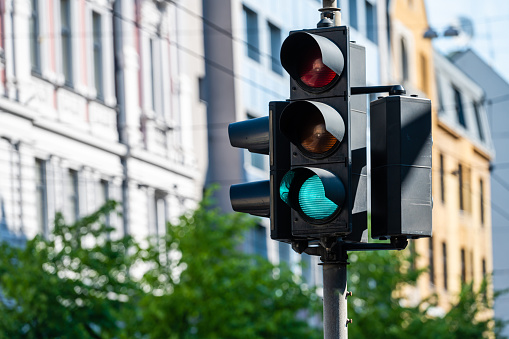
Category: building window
<point>472,266</point>
<point>104,192</point>
<point>103,196</point>
<point>152,74</point>
<point>404,60</point>
<point>35,47</point>
<point>480,130</point>
<point>252,38</point>
<point>431,263</point>
<point>459,107</point>
<point>97,55</point>
<point>41,196</point>
<point>307,269</point>
<point>444,263</point>
<point>257,160</point>
<point>284,253</point>
<point>371,22</point>
<point>72,196</point>
<point>160,213</point>
<point>464,187</point>
<point>65,36</point>
<point>463,267</point>
<point>439,95</point>
<point>260,241</point>
<point>442,178</point>
<point>352,4</point>
<point>485,294</point>
<point>275,46</point>
<point>481,198</point>
<point>460,191</point>
<point>424,73</point>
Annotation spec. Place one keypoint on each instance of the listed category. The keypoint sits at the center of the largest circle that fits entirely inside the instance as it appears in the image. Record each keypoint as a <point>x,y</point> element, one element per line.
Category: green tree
<point>222,292</point>
<point>75,284</point>
<point>379,310</point>
<point>82,282</point>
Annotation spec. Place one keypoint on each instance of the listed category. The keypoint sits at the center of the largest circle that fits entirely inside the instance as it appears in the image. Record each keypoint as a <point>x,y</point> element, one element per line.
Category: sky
<point>490,23</point>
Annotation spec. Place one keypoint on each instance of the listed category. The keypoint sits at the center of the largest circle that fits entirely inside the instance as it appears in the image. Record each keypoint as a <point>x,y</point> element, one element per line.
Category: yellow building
<point>460,248</point>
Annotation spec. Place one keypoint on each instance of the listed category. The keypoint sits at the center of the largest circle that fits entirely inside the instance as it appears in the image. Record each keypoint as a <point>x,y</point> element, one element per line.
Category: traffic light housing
<point>320,186</point>
<point>401,202</point>
<point>262,136</point>
<point>280,214</point>
<point>252,197</point>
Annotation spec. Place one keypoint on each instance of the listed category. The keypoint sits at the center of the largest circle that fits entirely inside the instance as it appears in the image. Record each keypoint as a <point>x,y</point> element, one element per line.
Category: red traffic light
<point>313,72</point>
<point>314,61</point>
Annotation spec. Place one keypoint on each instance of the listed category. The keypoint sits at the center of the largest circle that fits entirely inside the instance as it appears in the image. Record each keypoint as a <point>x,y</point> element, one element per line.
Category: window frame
<point>252,34</point>
<point>66,41</point>
<point>442,178</point>
<point>275,47</point>
<point>458,103</point>
<point>73,199</point>
<point>34,33</point>
<point>353,12</point>
<point>41,188</point>
<point>482,215</point>
<point>431,262</point>
<point>98,54</point>
<point>444,265</point>
<point>371,22</point>
<point>460,191</point>
<point>478,119</point>
<point>405,74</point>
<point>463,265</point>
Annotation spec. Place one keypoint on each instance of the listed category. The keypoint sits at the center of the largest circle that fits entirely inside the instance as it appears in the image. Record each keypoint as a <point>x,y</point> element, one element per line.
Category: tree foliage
<point>222,292</point>
<point>66,286</point>
<point>194,282</point>
<point>380,310</point>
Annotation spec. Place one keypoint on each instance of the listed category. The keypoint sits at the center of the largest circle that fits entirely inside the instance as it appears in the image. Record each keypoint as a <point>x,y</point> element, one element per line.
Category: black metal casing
<point>251,197</point>
<point>280,214</point>
<point>350,156</point>
<point>401,201</point>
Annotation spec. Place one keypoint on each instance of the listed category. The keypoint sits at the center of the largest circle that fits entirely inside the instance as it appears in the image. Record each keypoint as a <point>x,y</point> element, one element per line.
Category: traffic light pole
<point>334,256</point>
<point>335,319</point>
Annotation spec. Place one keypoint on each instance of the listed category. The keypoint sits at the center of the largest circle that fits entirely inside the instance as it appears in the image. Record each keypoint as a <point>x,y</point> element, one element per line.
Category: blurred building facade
<point>242,46</point>
<point>460,249</point>
<point>496,97</point>
<point>130,100</point>
<point>98,101</point>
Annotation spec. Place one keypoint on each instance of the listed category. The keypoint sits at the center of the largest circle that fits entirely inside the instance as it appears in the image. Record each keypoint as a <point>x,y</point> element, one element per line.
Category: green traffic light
<point>313,201</point>
<point>304,190</point>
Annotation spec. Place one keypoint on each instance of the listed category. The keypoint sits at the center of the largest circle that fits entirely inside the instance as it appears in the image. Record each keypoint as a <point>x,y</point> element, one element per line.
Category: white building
<point>99,100</point>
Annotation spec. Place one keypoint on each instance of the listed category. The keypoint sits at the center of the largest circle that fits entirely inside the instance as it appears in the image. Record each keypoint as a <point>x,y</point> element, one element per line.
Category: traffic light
<point>280,214</point>
<point>251,197</point>
<point>262,135</point>
<point>319,122</point>
<point>401,202</point>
